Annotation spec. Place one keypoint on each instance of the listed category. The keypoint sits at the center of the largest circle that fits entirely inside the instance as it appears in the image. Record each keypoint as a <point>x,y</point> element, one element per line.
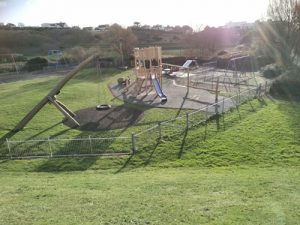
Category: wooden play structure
<point>51,97</point>
<point>148,71</point>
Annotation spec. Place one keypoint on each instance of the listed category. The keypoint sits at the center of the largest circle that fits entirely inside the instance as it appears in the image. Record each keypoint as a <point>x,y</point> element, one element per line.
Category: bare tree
<point>121,40</point>
<point>284,29</point>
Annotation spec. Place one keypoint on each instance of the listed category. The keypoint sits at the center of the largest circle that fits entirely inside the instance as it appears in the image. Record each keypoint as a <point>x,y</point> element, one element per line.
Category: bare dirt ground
<point>91,119</point>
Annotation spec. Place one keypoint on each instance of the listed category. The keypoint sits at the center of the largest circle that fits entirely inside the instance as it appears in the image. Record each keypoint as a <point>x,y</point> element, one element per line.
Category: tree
<point>137,24</point>
<point>283,32</point>
<point>187,29</point>
<point>121,40</point>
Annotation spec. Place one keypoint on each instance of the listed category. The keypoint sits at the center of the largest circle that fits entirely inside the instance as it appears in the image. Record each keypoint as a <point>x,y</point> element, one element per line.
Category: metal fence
<point>59,147</point>
<point>167,130</point>
<point>143,140</point>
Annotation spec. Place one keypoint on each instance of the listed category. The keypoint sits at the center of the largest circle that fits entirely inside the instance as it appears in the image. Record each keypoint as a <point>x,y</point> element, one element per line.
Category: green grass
<point>150,196</point>
<point>243,170</point>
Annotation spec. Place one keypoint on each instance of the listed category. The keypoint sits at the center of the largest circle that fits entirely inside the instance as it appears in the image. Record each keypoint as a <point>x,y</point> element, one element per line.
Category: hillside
<point>247,174</point>
<point>240,169</point>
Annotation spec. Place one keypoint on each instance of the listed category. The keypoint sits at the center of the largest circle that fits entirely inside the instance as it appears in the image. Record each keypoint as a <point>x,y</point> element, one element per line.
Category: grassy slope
<point>247,173</point>
<point>165,196</point>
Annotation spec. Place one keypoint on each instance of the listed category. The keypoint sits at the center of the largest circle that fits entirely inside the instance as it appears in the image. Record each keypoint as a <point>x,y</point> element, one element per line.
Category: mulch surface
<point>116,117</point>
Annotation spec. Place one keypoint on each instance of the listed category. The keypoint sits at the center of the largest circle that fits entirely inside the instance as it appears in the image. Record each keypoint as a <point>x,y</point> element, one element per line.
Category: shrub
<point>223,52</point>
<point>271,71</point>
<point>287,85</point>
<point>37,63</point>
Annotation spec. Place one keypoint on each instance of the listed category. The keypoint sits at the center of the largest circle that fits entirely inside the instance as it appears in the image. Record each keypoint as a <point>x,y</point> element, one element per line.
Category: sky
<point>195,13</point>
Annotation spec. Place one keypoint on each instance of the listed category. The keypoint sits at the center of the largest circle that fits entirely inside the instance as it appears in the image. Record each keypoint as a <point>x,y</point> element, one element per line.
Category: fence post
<point>133,143</point>
<point>206,113</point>
<point>159,130</point>
<point>90,141</point>
<point>8,146</point>
<point>259,91</point>
<point>187,125</point>
<point>50,149</point>
<point>266,87</point>
<point>223,107</point>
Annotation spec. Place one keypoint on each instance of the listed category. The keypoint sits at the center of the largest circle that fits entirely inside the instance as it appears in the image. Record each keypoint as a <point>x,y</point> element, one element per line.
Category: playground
<point>115,116</point>
<point>190,86</point>
<point>189,165</point>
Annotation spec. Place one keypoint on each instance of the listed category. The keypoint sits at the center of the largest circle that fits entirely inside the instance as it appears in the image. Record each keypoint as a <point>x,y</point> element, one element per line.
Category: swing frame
<point>51,97</point>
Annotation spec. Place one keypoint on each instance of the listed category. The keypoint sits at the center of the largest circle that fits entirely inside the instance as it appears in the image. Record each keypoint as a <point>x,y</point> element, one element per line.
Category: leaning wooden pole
<point>52,93</point>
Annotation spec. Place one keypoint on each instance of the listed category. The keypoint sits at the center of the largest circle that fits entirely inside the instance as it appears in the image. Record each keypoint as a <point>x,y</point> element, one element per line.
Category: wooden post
<point>65,108</point>
<point>65,113</point>
<point>52,93</point>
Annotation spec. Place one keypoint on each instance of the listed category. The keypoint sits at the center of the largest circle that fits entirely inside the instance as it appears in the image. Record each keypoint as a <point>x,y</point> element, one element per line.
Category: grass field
<point>246,171</point>
<point>152,196</point>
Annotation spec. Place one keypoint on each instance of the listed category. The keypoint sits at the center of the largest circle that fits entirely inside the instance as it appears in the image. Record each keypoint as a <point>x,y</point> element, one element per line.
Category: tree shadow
<point>66,164</point>
<point>127,162</point>
<point>183,141</point>
<point>43,131</point>
<point>148,160</point>
<point>182,103</point>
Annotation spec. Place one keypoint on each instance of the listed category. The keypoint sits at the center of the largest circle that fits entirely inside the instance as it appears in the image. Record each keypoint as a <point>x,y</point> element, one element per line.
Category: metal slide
<point>158,90</point>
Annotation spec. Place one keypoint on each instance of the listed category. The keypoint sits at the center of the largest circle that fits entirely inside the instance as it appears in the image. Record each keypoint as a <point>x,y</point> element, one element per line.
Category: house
<point>87,28</point>
<point>55,52</point>
<point>55,25</point>
<point>239,25</point>
<point>102,28</point>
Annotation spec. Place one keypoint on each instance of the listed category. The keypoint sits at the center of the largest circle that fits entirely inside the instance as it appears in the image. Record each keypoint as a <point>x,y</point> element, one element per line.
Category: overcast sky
<point>166,12</point>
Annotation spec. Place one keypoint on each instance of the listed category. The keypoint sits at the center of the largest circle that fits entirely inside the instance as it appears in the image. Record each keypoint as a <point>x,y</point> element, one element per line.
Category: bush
<point>37,63</point>
<point>287,85</point>
<point>271,71</point>
<point>223,52</point>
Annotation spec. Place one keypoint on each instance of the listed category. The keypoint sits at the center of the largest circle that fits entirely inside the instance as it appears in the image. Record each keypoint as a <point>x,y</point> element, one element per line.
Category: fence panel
<point>68,147</point>
<point>111,145</point>
<point>148,139</point>
<point>173,127</point>
<point>29,148</point>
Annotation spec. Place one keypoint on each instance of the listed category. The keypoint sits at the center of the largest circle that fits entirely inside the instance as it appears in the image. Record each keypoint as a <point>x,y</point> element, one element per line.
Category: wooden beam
<point>65,108</point>
<point>52,93</point>
<point>64,112</point>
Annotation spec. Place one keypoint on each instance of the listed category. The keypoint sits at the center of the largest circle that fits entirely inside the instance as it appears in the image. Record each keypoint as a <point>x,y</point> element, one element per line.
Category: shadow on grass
<point>182,103</point>
<point>66,164</point>
<point>43,131</point>
<point>292,110</point>
<point>148,160</point>
<point>127,162</point>
<point>183,141</point>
